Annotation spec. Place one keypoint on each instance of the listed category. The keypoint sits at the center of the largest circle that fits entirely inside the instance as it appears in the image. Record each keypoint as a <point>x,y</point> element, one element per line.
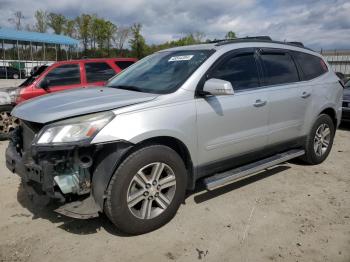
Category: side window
<point>64,75</point>
<point>124,64</point>
<point>98,72</point>
<point>279,68</point>
<point>312,66</point>
<point>240,70</point>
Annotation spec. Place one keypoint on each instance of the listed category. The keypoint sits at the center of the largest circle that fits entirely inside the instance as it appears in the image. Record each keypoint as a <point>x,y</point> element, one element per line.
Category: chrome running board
<point>221,179</point>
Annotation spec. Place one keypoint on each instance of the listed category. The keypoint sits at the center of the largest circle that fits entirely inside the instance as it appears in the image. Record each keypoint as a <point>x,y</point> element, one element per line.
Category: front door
<point>233,125</point>
<point>62,77</point>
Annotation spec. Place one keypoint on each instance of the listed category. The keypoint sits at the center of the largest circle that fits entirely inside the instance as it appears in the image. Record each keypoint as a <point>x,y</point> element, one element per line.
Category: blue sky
<point>319,24</point>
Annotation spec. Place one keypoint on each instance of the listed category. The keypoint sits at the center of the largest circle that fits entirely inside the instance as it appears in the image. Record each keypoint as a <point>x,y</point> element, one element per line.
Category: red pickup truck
<point>58,77</point>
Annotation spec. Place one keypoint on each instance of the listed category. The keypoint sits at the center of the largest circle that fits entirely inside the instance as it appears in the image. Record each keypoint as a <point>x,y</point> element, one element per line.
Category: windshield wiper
<point>131,88</point>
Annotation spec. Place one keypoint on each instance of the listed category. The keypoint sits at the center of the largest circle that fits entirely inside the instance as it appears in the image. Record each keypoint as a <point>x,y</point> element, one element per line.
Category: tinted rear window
<point>311,66</point>
<point>98,72</point>
<point>279,68</point>
<point>124,64</point>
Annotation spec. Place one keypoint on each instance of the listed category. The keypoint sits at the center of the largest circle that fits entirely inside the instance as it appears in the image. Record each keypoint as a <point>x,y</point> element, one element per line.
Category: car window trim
<point>223,58</point>
<point>272,50</point>
<point>302,73</point>
<point>98,62</point>
<point>44,76</point>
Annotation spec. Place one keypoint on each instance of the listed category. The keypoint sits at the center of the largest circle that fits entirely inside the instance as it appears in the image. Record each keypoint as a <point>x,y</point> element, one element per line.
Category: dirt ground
<point>289,213</point>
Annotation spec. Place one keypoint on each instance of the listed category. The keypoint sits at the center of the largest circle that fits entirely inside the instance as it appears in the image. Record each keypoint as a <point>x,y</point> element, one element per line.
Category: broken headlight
<point>76,129</point>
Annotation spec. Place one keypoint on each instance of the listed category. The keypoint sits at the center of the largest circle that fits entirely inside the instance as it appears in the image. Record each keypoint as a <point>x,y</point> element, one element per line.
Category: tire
<point>132,218</point>
<point>315,156</point>
<point>15,76</point>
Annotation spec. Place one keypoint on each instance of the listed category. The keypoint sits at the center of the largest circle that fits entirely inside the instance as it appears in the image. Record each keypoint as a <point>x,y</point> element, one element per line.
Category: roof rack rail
<point>296,43</point>
<point>263,39</point>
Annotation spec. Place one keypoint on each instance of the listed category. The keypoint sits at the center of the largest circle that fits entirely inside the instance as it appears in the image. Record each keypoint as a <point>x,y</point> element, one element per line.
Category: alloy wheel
<point>322,139</point>
<point>151,190</point>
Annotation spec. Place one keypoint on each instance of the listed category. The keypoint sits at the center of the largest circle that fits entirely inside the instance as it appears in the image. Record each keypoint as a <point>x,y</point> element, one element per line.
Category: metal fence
<point>339,60</point>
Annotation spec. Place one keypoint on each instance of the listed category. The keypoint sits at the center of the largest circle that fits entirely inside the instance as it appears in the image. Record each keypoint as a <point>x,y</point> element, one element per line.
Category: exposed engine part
<point>85,161</point>
<point>75,178</point>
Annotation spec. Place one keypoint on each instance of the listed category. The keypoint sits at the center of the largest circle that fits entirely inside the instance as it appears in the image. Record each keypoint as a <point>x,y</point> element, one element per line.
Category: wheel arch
<point>113,154</point>
<point>332,114</point>
<point>179,147</point>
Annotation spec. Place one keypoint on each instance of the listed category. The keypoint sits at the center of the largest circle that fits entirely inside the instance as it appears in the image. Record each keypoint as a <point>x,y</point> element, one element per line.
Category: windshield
<point>347,84</point>
<point>160,73</point>
<point>34,76</point>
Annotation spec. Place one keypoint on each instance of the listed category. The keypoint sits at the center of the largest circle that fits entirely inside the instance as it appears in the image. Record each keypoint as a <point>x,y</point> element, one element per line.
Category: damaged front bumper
<point>59,175</point>
<point>75,175</point>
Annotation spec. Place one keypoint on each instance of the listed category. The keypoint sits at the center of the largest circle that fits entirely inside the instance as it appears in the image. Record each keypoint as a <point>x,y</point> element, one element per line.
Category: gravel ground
<point>289,213</point>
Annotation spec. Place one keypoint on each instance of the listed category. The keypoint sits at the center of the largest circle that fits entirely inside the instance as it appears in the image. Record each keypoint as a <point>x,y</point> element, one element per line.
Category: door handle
<point>259,103</point>
<point>305,94</point>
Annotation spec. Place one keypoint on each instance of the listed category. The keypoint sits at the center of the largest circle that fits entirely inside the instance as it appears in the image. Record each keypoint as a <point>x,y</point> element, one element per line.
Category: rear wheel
<point>15,76</point>
<point>146,190</point>
<point>320,140</point>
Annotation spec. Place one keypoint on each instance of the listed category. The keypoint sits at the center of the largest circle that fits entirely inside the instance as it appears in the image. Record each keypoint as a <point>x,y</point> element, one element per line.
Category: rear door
<point>232,125</point>
<point>97,73</point>
<point>288,98</point>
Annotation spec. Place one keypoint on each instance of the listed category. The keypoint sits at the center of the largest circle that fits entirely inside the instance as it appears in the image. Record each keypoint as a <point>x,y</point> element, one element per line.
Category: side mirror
<point>217,87</point>
<point>44,84</point>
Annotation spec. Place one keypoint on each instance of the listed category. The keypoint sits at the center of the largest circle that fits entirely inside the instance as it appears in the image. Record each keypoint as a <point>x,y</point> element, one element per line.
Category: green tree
<point>83,26</point>
<point>101,33</point>
<point>110,30</point>
<point>41,21</point>
<point>137,41</point>
<point>94,30</point>
<point>69,28</point>
<point>230,35</point>
<point>56,22</point>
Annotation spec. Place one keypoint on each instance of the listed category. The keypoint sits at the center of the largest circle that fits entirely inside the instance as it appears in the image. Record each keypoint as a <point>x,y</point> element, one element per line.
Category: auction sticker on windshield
<point>180,58</point>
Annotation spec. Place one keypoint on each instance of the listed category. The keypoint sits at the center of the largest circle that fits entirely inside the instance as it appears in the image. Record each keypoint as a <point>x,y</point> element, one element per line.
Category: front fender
<point>177,120</point>
<point>108,157</point>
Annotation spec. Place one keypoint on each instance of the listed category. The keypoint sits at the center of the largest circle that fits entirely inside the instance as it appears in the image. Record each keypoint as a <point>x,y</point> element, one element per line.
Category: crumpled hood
<point>77,102</point>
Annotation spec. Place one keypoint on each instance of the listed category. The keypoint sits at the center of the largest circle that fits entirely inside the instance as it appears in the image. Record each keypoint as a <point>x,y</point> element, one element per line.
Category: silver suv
<point>212,112</point>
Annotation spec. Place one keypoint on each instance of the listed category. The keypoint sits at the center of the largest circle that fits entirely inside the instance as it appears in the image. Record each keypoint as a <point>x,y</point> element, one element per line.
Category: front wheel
<point>146,190</point>
<point>319,141</point>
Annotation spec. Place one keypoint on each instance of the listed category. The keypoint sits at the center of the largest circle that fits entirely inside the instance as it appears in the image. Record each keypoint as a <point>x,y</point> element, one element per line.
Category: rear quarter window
<point>311,66</point>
